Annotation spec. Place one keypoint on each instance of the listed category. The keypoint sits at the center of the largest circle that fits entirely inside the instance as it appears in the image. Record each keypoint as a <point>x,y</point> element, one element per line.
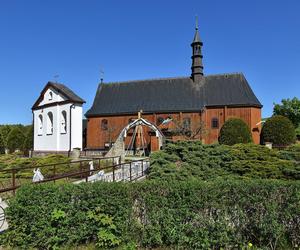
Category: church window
<point>50,96</point>
<point>104,124</point>
<point>214,122</point>
<point>49,123</point>
<point>63,128</point>
<point>187,123</point>
<point>40,125</point>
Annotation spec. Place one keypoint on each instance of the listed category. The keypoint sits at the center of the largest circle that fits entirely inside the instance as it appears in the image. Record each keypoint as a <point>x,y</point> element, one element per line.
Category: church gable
<point>54,93</point>
<point>51,96</point>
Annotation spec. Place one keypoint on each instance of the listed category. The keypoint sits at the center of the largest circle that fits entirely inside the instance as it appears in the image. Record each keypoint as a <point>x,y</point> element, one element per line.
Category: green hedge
<point>279,130</point>
<point>235,131</point>
<point>192,160</point>
<point>187,215</point>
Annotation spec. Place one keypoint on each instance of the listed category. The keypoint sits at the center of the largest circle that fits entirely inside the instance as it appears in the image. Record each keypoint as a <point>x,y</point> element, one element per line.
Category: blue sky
<point>138,39</point>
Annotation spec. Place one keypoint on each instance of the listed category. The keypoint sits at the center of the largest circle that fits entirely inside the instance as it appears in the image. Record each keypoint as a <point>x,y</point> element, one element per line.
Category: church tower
<point>197,66</point>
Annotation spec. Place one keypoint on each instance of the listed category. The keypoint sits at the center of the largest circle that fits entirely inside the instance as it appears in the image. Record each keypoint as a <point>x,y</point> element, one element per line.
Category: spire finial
<point>196,22</point>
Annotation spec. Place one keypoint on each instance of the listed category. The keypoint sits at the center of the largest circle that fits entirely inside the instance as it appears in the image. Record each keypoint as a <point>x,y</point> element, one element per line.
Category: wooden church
<point>195,106</point>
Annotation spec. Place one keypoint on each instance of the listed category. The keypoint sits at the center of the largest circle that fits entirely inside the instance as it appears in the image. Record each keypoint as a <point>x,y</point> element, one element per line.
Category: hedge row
<point>189,215</point>
<point>187,159</point>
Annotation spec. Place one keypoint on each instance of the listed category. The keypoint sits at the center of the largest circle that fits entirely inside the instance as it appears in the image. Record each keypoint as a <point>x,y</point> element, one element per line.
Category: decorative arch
<point>40,124</point>
<point>63,124</point>
<point>118,149</point>
<point>49,123</point>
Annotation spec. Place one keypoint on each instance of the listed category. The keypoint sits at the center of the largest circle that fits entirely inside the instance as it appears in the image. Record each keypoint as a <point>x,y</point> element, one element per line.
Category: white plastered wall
<point>59,139</point>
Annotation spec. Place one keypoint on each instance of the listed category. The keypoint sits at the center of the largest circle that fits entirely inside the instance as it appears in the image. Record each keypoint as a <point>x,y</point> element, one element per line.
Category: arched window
<point>49,123</point>
<point>40,124</point>
<point>50,96</point>
<point>104,124</point>
<point>63,122</point>
<point>214,122</point>
<point>187,123</point>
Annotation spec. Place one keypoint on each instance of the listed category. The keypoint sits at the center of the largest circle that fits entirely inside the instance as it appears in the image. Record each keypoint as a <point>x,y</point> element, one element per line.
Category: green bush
<point>279,130</point>
<point>192,160</point>
<point>15,140</point>
<point>235,131</point>
<point>154,214</point>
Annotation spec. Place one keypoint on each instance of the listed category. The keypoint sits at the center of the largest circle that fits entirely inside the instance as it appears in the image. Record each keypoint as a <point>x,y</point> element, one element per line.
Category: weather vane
<point>56,77</point>
<point>101,75</point>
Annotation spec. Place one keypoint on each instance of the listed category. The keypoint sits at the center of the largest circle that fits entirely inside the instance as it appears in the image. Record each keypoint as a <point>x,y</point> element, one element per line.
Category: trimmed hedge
<point>279,130</point>
<point>235,131</point>
<point>189,215</point>
<point>192,160</point>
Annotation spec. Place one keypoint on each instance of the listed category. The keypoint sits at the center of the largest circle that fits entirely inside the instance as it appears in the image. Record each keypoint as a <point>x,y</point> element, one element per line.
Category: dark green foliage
<point>28,142</point>
<point>279,130</point>
<point>15,139</point>
<point>298,133</point>
<point>6,129</point>
<point>186,215</point>
<point>2,147</point>
<point>192,160</point>
<point>235,131</point>
<point>290,109</point>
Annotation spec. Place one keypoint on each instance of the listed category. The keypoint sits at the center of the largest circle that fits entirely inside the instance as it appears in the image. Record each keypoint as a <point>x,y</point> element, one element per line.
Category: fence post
<point>99,163</point>
<point>142,167</point>
<point>114,173</point>
<point>80,169</point>
<point>14,181</point>
<point>54,171</point>
<point>120,160</point>
<point>130,172</point>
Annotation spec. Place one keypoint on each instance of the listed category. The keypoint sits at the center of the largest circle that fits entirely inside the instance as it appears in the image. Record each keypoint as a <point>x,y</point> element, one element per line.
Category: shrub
<point>235,131</point>
<point>15,139</point>
<point>192,160</point>
<point>279,130</point>
<point>156,214</point>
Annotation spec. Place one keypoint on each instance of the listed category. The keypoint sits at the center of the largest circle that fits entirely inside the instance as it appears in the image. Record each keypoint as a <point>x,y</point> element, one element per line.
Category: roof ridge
<point>224,74</point>
<point>149,79</point>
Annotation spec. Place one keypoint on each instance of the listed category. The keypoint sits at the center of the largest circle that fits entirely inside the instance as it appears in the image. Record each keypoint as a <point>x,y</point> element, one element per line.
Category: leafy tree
<point>235,131</point>
<point>4,131</point>
<point>15,139</point>
<point>279,130</point>
<point>289,108</point>
<point>28,142</point>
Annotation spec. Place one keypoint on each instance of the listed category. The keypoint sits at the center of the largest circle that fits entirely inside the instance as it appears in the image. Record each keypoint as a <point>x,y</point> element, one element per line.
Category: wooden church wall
<point>97,137</point>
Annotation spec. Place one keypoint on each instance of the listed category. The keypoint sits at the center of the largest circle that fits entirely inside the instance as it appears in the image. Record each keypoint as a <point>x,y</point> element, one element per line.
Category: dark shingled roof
<point>172,95</point>
<point>60,88</point>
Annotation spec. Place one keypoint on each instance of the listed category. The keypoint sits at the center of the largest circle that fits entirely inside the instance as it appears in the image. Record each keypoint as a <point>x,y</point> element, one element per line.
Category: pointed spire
<point>197,66</point>
<point>197,36</point>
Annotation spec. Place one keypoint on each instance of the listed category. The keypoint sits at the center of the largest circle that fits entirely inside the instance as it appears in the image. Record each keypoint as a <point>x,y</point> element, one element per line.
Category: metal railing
<point>109,169</point>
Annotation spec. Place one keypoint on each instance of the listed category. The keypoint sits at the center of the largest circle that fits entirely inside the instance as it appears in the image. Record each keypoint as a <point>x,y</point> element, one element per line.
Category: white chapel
<point>57,120</point>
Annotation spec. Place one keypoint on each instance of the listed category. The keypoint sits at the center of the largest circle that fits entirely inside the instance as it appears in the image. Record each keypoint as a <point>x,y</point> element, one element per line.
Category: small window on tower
<point>50,96</point>
<point>214,122</point>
